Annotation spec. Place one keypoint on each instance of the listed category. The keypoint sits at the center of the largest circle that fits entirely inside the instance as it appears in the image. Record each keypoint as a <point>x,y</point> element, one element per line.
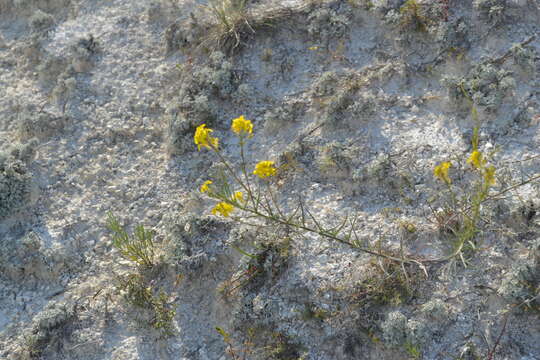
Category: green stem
<point>238,180</point>
<point>248,186</point>
<point>323,233</point>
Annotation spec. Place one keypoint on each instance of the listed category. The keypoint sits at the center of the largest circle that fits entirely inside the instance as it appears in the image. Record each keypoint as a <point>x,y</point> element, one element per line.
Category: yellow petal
<point>476,159</point>
<point>241,126</point>
<point>204,186</point>
<point>265,169</point>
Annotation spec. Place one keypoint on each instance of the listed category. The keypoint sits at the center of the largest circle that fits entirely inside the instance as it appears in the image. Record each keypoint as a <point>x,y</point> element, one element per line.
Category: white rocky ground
<point>356,100</point>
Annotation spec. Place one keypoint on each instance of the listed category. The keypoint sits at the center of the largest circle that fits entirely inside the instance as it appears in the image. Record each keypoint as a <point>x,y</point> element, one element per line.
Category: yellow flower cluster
<point>241,127</point>
<point>203,138</point>
<point>478,162</point>
<point>265,169</point>
<point>441,171</point>
<point>238,196</point>
<point>205,186</point>
<point>223,209</point>
<point>476,159</point>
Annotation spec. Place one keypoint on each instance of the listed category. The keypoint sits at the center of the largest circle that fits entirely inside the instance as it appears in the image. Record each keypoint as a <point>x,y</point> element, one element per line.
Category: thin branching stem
<point>320,231</point>
<point>248,186</point>
<point>273,198</point>
<point>233,173</point>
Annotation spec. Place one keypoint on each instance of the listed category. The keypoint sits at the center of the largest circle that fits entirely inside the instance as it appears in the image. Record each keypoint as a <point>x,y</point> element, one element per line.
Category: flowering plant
<point>462,213</point>
<point>243,194</point>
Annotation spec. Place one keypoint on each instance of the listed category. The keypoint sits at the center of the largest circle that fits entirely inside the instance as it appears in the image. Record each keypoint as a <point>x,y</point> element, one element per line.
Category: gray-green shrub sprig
<point>138,248</point>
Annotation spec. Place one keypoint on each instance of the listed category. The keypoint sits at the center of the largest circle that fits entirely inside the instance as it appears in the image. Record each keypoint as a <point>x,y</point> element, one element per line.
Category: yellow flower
<point>204,187</point>
<point>441,171</point>
<point>223,209</point>
<point>202,138</point>
<point>313,48</point>
<point>489,175</point>
<point>476,159</point>
<point>241,126</point>
<point>264,169</point>
<point>238,196</point>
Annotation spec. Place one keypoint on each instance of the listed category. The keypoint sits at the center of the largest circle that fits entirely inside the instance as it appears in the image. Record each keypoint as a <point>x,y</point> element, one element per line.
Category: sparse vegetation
<point>413,351</point>
<point>262,267</point>
<point>232,21</point>
<point>262,343</point>
<point>354,217</point>
<point>521,285</point>
<point>139,292</point>
<point>461,212</point>
<point>48,329</point>
<point>325,24</point>
<point>492,10</point>
<point>198,100</point>
<point>138,247</point>
<point>139,288</point>
<point>486,85</point>
<point>385,283</point>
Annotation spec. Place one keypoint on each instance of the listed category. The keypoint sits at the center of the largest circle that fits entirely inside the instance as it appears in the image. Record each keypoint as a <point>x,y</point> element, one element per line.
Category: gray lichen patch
<point>196,241</point>
<point>394,328</point>
<point>49,330</point>
<point>487,85</point>
<point>16,185</point>
<point>30,260</point>
<point>282,117</point>
<point>492,11</point>
<point>341,101</point>
<point>524,56</point>
<point>398,331</point>
<point>40,124</point>
<point>41,21</point>
<point>325,24</point>
<point>26,8</point>
<point>83,53</point>
<point>50,69</point>
<point>417,16</point>
<point>521,283</point>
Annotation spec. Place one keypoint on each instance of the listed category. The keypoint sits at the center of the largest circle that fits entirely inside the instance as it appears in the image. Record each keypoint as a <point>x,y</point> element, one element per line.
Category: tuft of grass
<point>138,247</point>
<point>386,284</point>
<point>140,294</point>
<point>231,22</point>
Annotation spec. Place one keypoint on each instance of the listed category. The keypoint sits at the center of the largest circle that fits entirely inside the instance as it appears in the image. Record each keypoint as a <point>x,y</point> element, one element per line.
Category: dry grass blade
<point>233,22</point>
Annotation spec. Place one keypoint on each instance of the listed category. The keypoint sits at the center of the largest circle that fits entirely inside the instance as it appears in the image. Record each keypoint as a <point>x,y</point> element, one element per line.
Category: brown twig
<point>492,352</point>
